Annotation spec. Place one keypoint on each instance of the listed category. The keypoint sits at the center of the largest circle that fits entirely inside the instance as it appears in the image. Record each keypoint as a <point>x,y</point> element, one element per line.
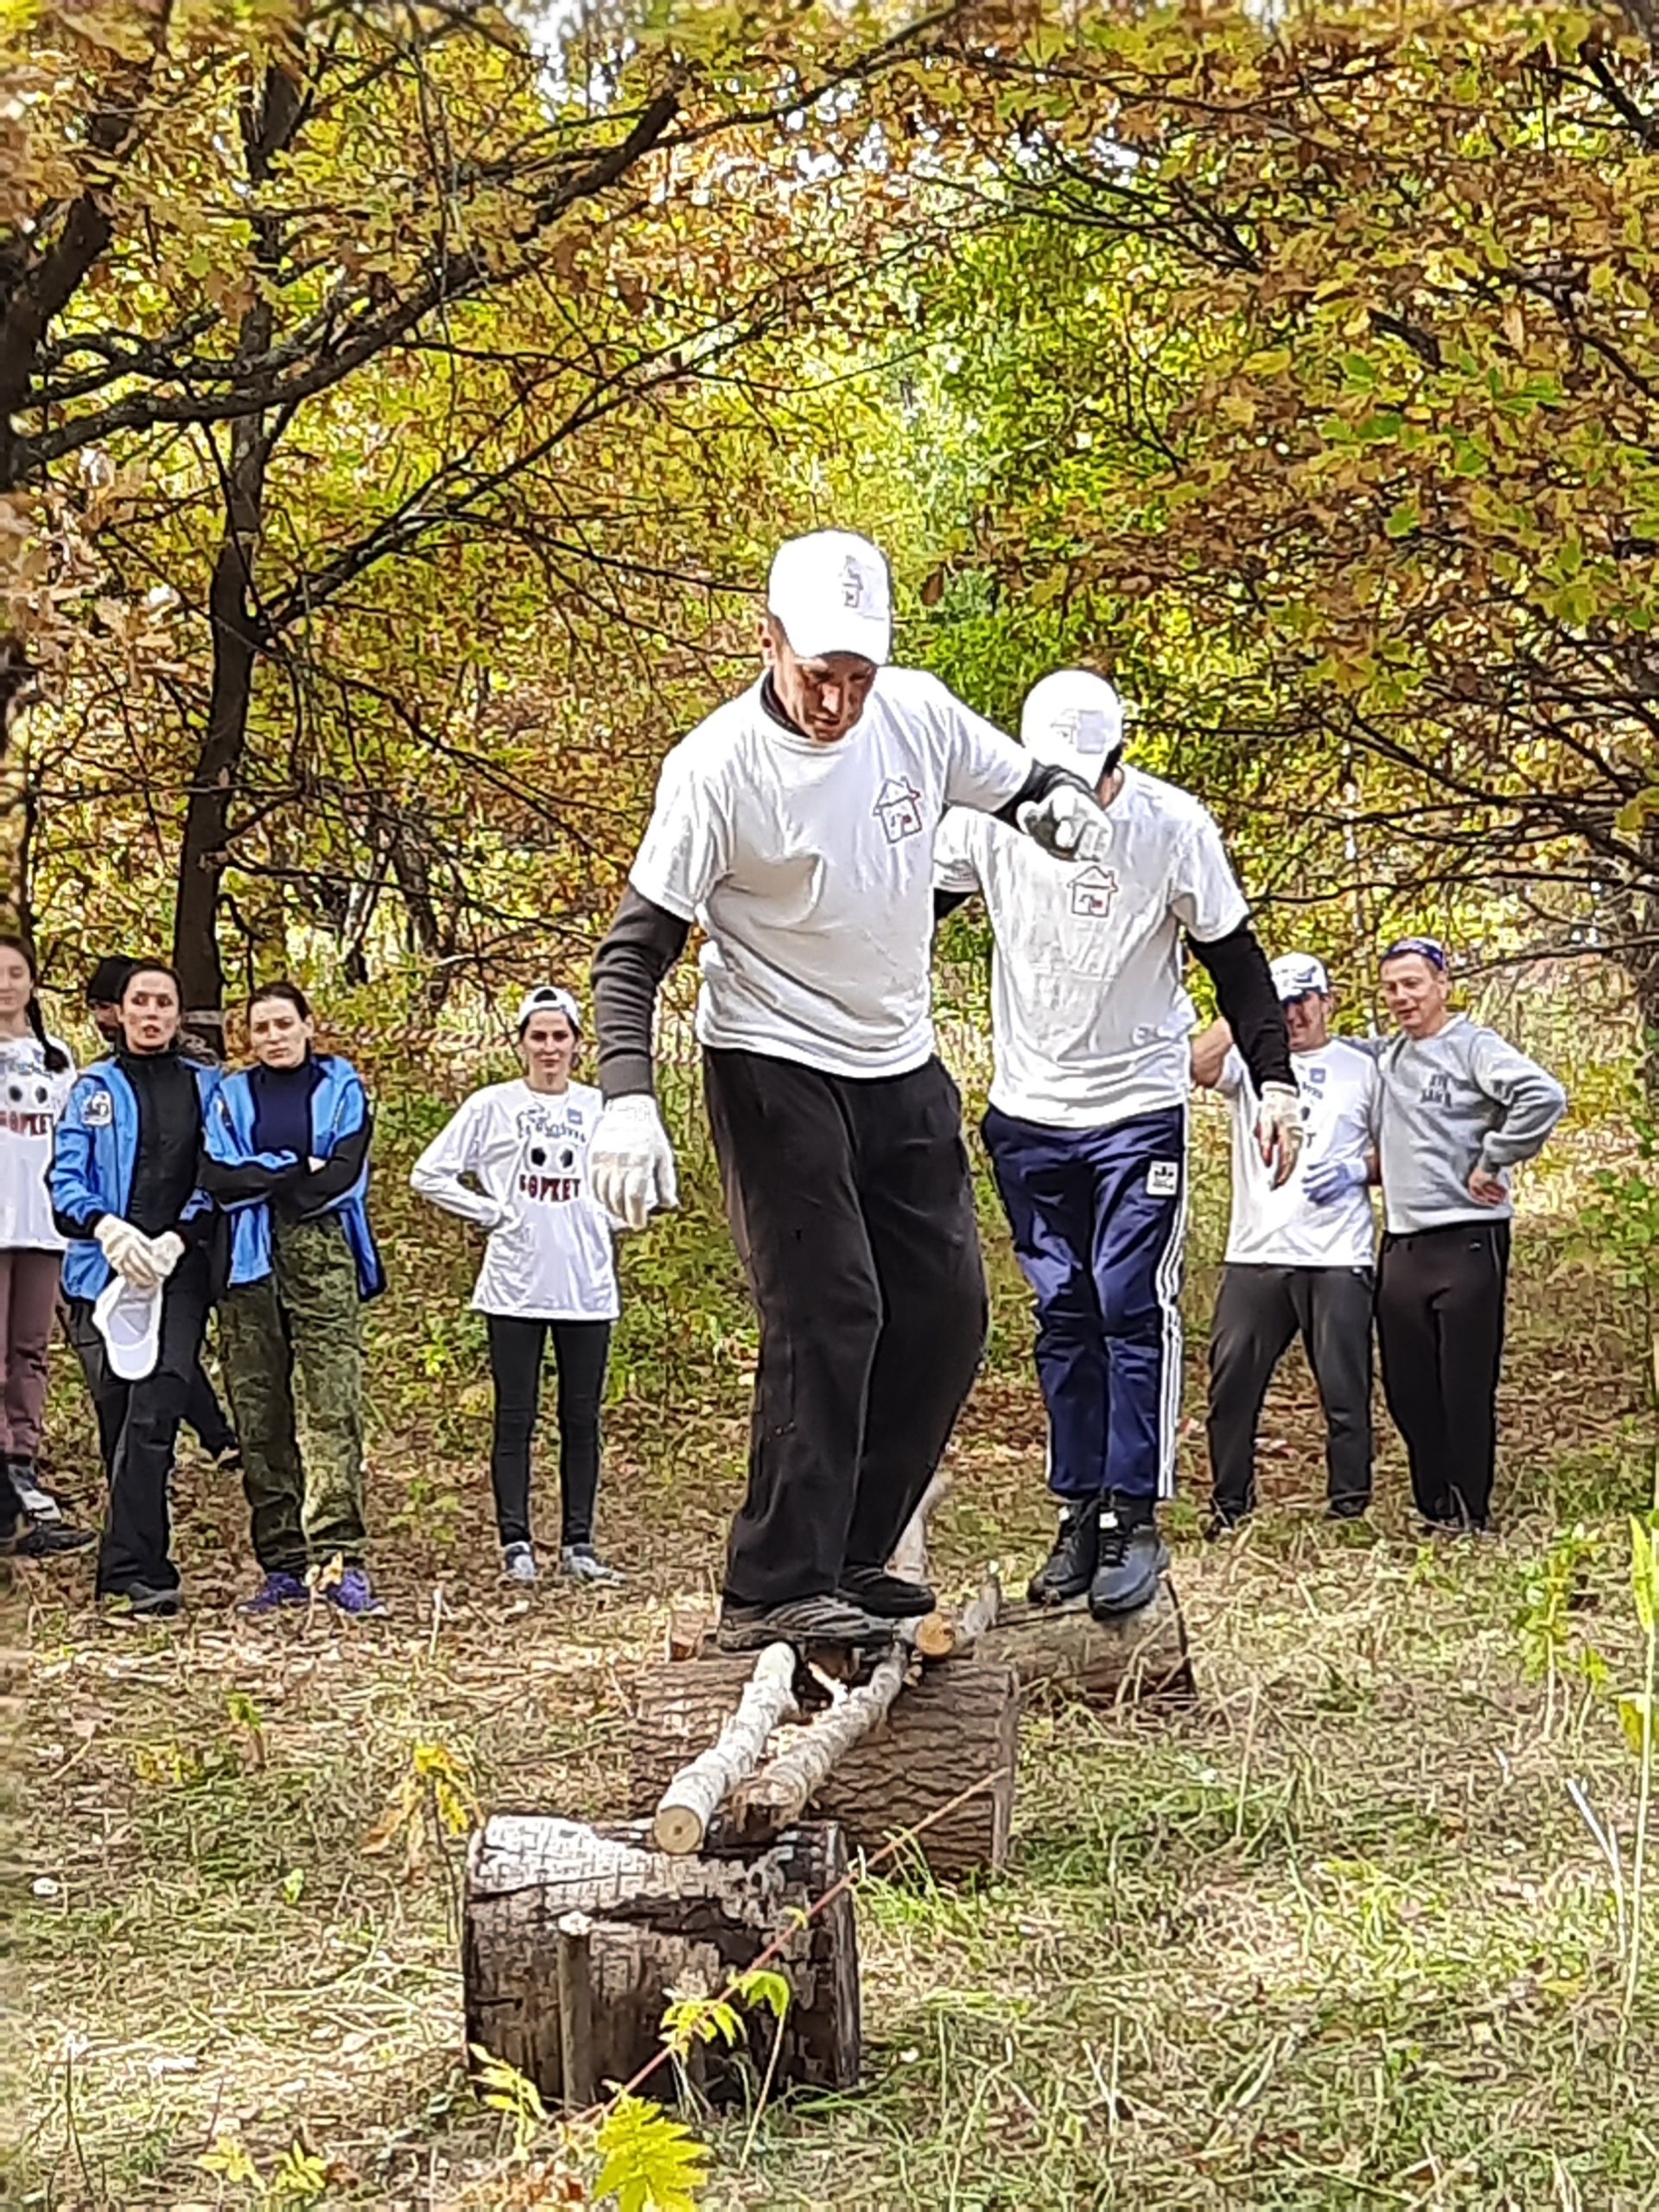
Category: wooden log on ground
<point>1063,1652</point>
<point>693,1794</point>
<point>958,1723</point>
<point>574,1937</point>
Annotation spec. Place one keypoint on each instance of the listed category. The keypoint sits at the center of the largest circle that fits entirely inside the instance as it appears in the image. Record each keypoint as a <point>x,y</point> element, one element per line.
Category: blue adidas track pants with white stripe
<point>1099,1222</point>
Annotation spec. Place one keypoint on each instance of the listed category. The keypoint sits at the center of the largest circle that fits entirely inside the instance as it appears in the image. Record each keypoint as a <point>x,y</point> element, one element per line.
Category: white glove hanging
<point>166,1251</point>
<point>128,1251</point>
<point>1068,821</point>
<point>631,1162</point>
<point>1279,1129</point>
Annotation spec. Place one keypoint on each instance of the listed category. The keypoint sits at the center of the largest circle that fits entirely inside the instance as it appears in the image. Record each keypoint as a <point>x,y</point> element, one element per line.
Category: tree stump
<point>958,1725</point>
<point>1063,1651</point>
<point>574,1939</point>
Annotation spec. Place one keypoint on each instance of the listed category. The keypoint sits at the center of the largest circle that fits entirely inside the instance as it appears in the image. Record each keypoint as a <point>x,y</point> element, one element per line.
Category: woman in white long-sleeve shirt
<point>549,1270</point>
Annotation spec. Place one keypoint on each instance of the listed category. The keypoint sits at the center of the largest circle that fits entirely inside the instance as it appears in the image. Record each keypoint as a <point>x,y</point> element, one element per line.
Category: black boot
<point>1131,1556</point>
<point>1069,1568</point>
<point>888,1596</point>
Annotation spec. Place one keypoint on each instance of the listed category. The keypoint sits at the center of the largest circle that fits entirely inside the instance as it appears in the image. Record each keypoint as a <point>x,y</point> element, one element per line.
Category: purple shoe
<point>278,1589</point>
<point>354,1594</point>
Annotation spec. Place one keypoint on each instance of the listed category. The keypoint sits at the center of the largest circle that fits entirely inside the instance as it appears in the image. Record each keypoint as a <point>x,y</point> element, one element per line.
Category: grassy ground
<point>1337,1937</point>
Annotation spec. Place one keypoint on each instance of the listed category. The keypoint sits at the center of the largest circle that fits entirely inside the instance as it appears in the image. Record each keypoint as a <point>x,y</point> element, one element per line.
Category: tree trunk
<point>957,1725</point>
<point>237,629</point>
<point>576,1938</point>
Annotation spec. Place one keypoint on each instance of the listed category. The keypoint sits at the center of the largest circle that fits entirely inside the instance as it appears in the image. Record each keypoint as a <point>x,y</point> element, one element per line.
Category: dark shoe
<point>1131,1559</point>
<point>140,1601</point>
<point>1070,1568</point>
<point>889,1597</point>
<point>797,1621</point>
<point>1225,1521</point>
<point>50,1539</point>
<point>1347,1509</point>
<point>353,1593</point>
<point>229,1461</point>
<point>36,1501</point>
<point>278,1589</point>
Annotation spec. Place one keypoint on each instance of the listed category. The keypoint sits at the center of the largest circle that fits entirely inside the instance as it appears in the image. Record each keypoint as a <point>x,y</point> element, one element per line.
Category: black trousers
<point>203,1411</point>
<point>138,1429</point>
<point>1439,1328</point>
<point>852,1208</point>
<point>1259,1312</point>
<point>581,1350</point>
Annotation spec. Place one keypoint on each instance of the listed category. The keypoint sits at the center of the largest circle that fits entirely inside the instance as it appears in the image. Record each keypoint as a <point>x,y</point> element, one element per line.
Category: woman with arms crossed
<point>288,1151</point>
<point>549,1269</point>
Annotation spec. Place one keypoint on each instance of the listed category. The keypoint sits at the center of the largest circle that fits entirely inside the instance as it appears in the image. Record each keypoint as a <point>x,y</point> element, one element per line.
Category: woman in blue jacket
<point>124,1192</point>
<point>288,1146</point>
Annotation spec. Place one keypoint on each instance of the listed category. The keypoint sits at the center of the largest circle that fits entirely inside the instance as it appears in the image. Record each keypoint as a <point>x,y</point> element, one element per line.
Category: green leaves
<point>1645,1571</point>
<point>651,2162</point>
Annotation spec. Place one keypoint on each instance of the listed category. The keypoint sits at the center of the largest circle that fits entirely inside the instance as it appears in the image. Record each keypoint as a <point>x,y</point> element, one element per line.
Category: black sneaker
<point>1070,1568</point>
<point>1131,1558</point>
<point>139,1601</point>
<point>797,1621</point>
<point>890,1597</point>
<point>50,1539</point>
<point>1225,1521</point>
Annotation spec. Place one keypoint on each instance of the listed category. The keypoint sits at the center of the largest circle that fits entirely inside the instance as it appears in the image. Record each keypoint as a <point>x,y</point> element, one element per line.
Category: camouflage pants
<point>292,1350</point>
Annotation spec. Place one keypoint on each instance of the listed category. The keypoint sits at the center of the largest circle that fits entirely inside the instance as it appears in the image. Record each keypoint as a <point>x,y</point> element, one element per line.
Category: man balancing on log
<point>794,827</point>
<point>1087,1125</point>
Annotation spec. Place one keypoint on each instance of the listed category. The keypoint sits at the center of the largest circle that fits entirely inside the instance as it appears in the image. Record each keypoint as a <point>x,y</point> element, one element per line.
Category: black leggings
<point>517,1347</point>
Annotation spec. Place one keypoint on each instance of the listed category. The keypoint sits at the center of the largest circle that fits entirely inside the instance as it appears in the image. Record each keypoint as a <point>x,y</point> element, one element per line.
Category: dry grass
<point>1337,1937</point>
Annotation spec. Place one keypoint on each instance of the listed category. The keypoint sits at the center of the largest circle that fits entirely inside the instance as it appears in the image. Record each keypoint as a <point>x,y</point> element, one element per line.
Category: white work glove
<point>166,1251</point>
<point>1068,821</point>
<point>128,1251</point>
<point>630,1162</point>
<point>1279,1129</point>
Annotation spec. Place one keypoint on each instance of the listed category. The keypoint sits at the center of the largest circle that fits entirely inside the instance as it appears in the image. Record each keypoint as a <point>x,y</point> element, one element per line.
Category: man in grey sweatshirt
<point>1457,1108</point>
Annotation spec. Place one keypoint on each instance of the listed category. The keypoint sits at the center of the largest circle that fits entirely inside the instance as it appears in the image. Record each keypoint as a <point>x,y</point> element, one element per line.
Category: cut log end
<point>678,1829</point>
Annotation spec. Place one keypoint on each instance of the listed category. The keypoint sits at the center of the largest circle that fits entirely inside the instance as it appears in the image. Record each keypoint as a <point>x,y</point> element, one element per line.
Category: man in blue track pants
<point>1087,1126</point>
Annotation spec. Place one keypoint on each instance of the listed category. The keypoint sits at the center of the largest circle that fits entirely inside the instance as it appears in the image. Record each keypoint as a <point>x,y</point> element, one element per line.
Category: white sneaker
<point>582,1563</point>
<point>518,1562</point>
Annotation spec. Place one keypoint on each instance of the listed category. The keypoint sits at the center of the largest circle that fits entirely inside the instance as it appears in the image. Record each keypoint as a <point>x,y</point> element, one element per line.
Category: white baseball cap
<point>130,1321</point>
<point>1073,720</point>
<point>546,998</point>
<point>832,594</point>
<point>1295,974</point>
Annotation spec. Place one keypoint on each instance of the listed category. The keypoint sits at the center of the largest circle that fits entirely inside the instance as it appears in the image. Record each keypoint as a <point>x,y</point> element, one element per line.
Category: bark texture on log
<point>655,1924</point>
<point>1063,1651</point>
<point>778,1797</point>
<point>958,1723</point>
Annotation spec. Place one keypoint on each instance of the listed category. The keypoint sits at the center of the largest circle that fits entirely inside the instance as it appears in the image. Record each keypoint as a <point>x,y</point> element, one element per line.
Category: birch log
<point>781,1792</point>
<point>910,1552</point>
<point>697,1792</point>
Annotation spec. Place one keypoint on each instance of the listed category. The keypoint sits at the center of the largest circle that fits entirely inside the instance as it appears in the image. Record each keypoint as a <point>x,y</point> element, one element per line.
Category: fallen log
<point>956,1724</point>
<point>689,1802</point>
<point>1063,1651</point>
<point>575,1941</point>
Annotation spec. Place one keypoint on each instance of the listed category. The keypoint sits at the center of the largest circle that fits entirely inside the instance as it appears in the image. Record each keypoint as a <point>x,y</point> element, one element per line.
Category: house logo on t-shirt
<point>898,808</point>
<point>1094,892</point>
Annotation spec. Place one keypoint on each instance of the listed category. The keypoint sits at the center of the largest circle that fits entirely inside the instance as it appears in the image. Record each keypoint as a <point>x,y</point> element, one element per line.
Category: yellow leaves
<point>434,1802</point>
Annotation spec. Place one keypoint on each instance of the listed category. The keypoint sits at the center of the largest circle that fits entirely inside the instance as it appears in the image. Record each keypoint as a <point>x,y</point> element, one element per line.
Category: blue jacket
<point>91,1166</point>
<point>339,1108</point>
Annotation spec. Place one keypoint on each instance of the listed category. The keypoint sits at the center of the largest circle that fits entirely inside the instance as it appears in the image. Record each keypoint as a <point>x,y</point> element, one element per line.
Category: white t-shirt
<point>1284,1228</point>
<point>31,1099</point>
<point>809,869</point>
<point>553,1260</point>
<point>1090,1020</point>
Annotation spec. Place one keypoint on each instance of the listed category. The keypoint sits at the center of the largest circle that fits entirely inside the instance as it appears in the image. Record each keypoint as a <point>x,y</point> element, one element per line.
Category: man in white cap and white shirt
<point>794,827</point>
<point>1087,1126</point>
<point>1299,1254</point>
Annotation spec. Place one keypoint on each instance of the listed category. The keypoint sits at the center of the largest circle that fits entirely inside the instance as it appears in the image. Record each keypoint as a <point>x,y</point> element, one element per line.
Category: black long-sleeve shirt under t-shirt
<point>644,940</point>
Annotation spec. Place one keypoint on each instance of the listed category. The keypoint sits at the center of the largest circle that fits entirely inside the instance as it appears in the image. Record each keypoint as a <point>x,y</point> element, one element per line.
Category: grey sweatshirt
<point>1444,1103</point>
